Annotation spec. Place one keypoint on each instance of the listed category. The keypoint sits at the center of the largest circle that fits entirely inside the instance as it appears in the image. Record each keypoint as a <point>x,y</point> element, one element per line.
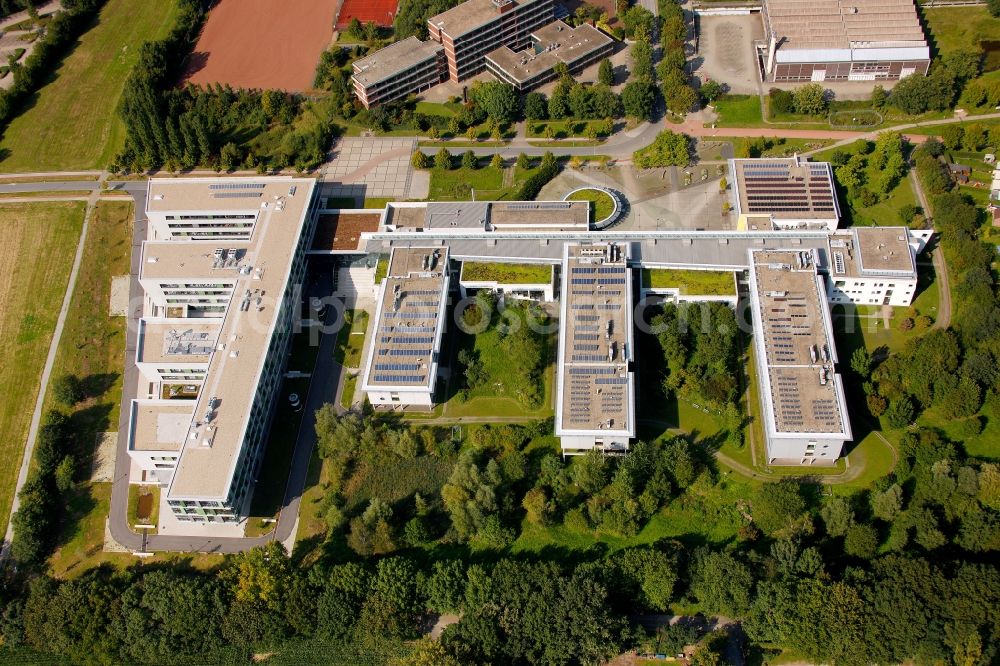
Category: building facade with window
<point>842,40</point>
<point>213,343</point>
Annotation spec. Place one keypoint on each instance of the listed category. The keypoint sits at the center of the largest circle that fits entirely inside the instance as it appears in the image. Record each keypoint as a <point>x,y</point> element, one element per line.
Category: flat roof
<point>801,390</point>
<point>597,389</point>
<point>180,260</point>
<point>205,195</point>
<point>470,15</point>
<point>259,276</point>
<point>786,188</point>
<point>177,340</point>
<point>552,43</point>
<point>393,59</point>
<point>844,24</point>
<point>409,321</point>
<point>342,231</point>
<point>495,216</point>
<point>160,425</point>
<point>539,215</point>
<point>872,251</point>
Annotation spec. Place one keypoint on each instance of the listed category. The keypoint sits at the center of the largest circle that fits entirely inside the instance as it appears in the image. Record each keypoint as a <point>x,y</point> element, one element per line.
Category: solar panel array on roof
<point>785,188</point>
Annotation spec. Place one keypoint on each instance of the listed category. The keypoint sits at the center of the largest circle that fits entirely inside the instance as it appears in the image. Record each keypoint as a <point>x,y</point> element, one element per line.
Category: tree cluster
<point>668,149</point>
<point>678,94</point>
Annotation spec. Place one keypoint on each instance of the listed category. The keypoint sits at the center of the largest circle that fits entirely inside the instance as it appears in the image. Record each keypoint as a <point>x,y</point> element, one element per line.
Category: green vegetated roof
<point>483,271</point>
<point>699,283</point>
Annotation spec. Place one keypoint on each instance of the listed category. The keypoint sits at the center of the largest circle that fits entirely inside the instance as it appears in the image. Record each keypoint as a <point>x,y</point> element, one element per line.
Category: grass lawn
<point>489,184</point>
<point>457,184</point>
<point>445,110</point>
<point>488,271</point>
<point>72,123</point>
<point>738,111</point>
<point>704,283</point>
<point>561,129</point>
<point>39,245</point>
<point>84,548</point>
<point>886,212</point>
<point>602,203</point>
<point>347,394</point>
<point>92,347</point>
<point>149,497</point>
<point>381,269</point>
<point>351,338</point>
<point>959,28</point>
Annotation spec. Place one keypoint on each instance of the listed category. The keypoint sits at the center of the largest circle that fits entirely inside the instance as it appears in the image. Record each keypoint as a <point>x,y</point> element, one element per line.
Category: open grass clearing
<point>601,203</point>
<point>351,338</point>
<point>483,183</point>
<point>562,129</point>
<point>702,283</point>
<point>505,273</point>
<point>40,241</point>
<point>347,393</point>
<point>88,513</point>
<point>72,123</point>
<point>959,28</point>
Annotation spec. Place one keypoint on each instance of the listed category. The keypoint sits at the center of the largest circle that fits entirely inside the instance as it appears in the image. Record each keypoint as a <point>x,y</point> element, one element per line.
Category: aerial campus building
<point>793,275</point>
<point>783,193</point>
<point>220,274</point>
<point>518,41</point>
<point>803,405</point>
<point>842,40</point>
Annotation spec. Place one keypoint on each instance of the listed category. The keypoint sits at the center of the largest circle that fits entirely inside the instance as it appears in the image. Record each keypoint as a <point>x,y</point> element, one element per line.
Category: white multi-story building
<point>874,266</point>
<point>803,407</point>
<point>405,347</point>
<point>221,275</point>
<point>595,399</point>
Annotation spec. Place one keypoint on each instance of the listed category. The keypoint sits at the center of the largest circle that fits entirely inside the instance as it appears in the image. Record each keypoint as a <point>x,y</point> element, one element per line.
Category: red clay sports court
<point>263,43</point>
<point>379,12</point>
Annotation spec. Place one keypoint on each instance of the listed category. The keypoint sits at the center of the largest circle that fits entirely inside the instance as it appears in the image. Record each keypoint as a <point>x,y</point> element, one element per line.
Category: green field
<point>483,183</point>
<point>738,111</point>
<point>482,271</point>
<point>960,28</point>
<point>702,283</point>
<point>351,338</point>
<point>602,203</point>
<point>72,123</point>
<point>39,245</point>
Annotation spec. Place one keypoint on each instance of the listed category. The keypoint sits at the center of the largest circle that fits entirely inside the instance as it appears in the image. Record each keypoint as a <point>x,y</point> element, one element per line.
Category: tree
<point>496,162</point>
<point>442,160</point>
<point>837,516</point>
<point>606,73</point>
<point>523,161</point>
<point>879,98</point>
<point>777,505</point>
<point>667,149</point>
<point>810,99</point>
<point>535,106</point>
<point>444,588</point>
<point>470,496</point>
<point>67,390</point>
<point>497,99</point>
<point>420,160</point>
<point>861,541</point>
<point>722,583</point>
<point>900,412</point>
<point>861,362</point>
<point>260,574</point>
<point>469,160</point>
<point>64,473</point>
<point>951,135</point>
<point>711,90</point>
<point>887,505</point>
<point>994,7</point>
<point>637,99</point>
<point>781,101</point>
<point>537,507</point>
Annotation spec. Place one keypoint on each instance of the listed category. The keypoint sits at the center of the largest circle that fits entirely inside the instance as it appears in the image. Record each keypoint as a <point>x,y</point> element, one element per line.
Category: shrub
<point>535,182</point>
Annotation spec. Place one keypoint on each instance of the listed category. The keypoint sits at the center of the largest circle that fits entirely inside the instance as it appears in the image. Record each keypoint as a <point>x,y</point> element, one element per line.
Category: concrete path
<point>50,359</point>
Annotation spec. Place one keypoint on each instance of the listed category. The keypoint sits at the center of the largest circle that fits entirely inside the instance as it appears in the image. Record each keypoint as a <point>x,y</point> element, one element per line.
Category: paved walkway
<point>50,359</point>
